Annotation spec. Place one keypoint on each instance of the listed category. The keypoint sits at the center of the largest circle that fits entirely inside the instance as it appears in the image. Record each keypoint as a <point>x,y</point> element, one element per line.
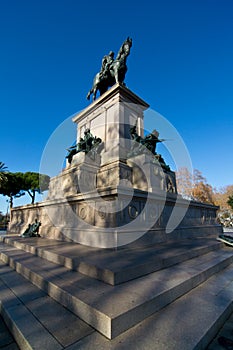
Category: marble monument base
<point>117,216</point>
<point>113,197</point>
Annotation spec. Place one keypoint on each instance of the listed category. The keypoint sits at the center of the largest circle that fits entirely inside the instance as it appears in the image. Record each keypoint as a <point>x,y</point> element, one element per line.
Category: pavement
<point>8,343</point>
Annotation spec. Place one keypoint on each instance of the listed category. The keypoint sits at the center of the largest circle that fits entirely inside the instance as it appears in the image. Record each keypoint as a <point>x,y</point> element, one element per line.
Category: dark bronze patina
<point>112,70</point>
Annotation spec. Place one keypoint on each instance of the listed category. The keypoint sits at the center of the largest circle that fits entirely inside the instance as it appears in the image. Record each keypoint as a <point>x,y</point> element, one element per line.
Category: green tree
<point>34,182</point>
<point>11,186</point>
<point>230,201</point>
<point>17,184</point>
<point>4,219</point>
<point>221,197</point>
<point>3,170</point>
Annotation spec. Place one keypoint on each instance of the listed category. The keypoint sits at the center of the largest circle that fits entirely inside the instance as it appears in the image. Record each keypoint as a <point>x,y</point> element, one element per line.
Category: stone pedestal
<point>114,174</point>
<point>110,118</point>
<point>79,177</point>
<point>148,174</point>
<point>108,199</point>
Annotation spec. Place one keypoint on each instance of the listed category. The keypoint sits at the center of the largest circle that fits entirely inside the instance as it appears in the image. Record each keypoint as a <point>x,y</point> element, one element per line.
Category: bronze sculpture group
<point>145,145</point>
<point>32,230</point>
<point>86,144</point>
<point>112,70</point>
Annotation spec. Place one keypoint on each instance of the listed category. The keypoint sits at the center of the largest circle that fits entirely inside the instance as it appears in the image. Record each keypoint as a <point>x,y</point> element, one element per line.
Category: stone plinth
<point>110,118</point>
<point>114,174</point>
<point>79,177</point>
<point>106,199</point>
<point>149,175</point>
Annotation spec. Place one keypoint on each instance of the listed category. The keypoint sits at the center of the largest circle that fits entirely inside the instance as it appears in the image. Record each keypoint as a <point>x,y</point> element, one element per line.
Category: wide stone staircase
<point>60,295</point>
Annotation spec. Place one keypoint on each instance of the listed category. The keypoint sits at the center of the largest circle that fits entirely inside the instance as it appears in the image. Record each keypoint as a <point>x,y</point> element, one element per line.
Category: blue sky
<point>181,63</point>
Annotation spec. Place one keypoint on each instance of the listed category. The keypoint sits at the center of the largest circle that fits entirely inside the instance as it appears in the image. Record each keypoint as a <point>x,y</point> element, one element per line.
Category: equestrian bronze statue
<point>112,70</point>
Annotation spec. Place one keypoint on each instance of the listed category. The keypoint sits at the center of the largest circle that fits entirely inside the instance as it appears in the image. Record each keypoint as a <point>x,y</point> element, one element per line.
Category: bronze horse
<point>115,73</point>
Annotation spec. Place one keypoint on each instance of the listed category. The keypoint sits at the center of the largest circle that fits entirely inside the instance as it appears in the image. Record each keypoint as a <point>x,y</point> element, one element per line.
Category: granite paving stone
<point>61,323</point>
<point>6,339</point>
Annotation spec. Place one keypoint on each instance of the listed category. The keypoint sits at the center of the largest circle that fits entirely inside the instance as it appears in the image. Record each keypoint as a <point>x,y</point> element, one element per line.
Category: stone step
<point>7,342</point>
<point>114,266</point>
<point>113,309</point>
<point>224,334</point>
<point>34,319</point>
<point>190,322</point>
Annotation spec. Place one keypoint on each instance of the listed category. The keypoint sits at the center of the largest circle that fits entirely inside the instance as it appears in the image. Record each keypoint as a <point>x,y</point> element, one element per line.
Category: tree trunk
<point>32,195</point>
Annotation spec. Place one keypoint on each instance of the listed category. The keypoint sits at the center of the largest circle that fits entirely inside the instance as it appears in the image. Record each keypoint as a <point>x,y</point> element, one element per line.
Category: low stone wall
<point>114,217</point>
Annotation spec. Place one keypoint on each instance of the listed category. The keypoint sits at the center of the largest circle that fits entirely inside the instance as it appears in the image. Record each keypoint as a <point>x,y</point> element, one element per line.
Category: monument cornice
<point>119,92</point>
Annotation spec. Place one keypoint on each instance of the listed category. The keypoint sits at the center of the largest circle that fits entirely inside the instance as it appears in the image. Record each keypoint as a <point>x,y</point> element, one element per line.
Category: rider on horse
<point>106,63</point>
<point>112,71</point>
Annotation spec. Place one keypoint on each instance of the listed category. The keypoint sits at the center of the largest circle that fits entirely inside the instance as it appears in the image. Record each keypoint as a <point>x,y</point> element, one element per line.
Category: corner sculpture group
<point>147,144</point>
<point>32,230</point>
<point>140,145</point>
<point>86,144</point>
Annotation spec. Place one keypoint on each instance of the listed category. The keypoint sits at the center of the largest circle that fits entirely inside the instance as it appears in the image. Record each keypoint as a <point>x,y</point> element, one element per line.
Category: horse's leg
<point>115,71</point>
<point>94,93</point>
<point>94,87</point>
<point>89,94</point>
<point>116,75</point>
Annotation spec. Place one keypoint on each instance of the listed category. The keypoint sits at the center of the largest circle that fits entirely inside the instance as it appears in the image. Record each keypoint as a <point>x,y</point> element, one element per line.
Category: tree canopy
<point>34,182</point>
<point>222,197</point>
<point>16,184</point>
<point>11,186</point>
<point>194,186</point>
<point>3,169</point>
<point>230,201</point>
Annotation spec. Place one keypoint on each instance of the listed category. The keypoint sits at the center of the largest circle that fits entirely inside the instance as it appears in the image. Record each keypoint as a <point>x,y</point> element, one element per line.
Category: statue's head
<point>127,45</point>
<point>86,131</point>
<point>111,54</point>
<point>155,133</point>
<point>129,41</point>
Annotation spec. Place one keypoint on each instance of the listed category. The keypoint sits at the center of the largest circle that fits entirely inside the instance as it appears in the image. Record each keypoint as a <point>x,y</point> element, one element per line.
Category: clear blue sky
<point>181,63</point>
